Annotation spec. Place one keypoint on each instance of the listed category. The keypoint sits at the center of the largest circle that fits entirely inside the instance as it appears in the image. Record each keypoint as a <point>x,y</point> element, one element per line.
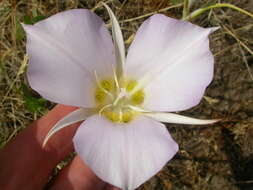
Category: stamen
<point>115,79</point>
<point>135,108</point>
<point>104,108</point>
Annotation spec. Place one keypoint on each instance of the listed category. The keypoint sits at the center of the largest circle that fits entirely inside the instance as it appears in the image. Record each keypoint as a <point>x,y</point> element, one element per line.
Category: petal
<point>124,155</point>
<point>175,60</point>
<point>179,119</point>
<point>74,117</point>
<point>118,42</point>
<point>64,52</point>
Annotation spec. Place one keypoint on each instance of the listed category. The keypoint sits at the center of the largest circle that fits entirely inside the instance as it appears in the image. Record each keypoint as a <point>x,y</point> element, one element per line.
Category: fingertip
<point>60,144</point>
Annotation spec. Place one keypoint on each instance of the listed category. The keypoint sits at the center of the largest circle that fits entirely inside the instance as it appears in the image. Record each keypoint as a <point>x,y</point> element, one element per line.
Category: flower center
<point>114,101</point>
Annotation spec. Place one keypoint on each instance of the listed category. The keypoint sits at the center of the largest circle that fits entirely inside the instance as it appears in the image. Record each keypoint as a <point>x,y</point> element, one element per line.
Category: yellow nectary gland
<point>103,89</point>
<point>113,105</point>
<point>119,117</point>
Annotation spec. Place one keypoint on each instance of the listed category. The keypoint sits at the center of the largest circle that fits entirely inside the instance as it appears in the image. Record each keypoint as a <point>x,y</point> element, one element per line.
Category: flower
<point>73,61</point>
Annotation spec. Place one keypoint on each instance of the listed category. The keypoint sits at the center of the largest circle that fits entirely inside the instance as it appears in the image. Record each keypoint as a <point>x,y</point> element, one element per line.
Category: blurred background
<point>210,157</point>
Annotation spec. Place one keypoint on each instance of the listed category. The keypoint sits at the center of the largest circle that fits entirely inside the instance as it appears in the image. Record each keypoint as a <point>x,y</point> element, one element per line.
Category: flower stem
<point>185,9</point>
<point>199,11</point>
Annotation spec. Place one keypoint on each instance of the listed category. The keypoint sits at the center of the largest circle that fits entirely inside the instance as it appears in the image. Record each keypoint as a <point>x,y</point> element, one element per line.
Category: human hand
<point>26,165</point>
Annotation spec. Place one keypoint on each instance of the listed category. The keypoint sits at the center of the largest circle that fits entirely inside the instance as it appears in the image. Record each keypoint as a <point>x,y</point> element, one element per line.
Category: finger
<point>110,187</point>
<point>77,176</point>
<point>24,163</point>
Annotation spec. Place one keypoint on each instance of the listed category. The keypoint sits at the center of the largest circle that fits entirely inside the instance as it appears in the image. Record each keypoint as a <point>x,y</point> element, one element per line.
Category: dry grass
<point>216,157</point>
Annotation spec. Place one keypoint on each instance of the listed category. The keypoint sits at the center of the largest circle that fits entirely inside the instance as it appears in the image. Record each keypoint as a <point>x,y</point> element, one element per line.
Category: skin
<point>26,165</point>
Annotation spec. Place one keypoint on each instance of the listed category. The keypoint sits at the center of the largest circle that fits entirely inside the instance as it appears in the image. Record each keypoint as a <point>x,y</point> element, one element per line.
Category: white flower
<point>169,65</point>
